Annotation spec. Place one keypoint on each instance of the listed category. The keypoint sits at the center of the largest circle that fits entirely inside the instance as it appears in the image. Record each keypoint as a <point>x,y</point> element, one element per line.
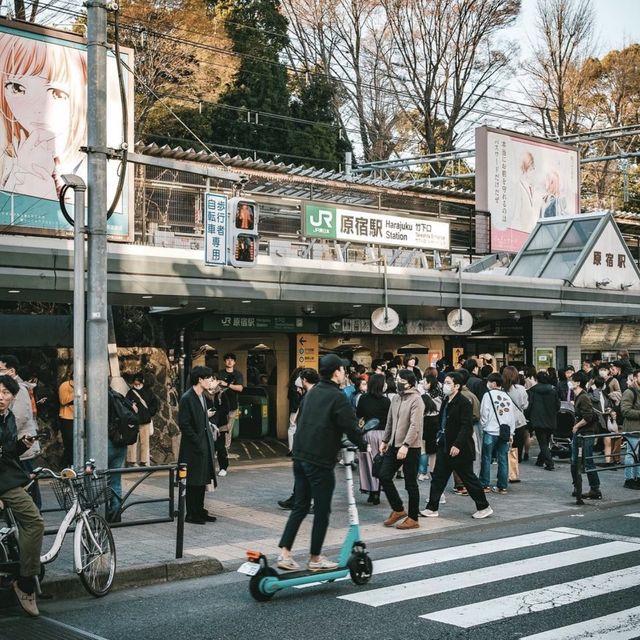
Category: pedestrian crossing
<point>623,625</point>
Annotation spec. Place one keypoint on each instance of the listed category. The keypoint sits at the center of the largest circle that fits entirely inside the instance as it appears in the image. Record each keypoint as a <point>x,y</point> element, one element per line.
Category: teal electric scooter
<point>354,561</point>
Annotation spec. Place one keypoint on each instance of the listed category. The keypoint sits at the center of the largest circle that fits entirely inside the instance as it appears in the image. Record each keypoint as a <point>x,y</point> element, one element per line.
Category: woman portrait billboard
<point>43,127</point>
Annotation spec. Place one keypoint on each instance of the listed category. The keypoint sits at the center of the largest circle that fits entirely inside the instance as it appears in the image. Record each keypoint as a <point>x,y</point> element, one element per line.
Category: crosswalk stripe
<point>632,515</point>
<point>596,534</point>
<point>473,550</point>
<point>486,575</point>
<point>622,625</point>
<point>558,595</point>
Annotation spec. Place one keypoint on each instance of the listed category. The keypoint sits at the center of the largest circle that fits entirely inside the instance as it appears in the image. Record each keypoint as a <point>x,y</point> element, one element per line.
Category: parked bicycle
<point>94,551</point>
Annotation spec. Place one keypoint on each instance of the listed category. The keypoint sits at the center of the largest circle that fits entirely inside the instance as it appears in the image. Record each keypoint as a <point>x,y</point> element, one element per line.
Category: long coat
<point>196,445</point>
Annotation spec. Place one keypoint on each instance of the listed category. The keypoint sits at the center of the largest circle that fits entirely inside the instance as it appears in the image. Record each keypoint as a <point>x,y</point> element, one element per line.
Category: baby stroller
<point>560,443</point>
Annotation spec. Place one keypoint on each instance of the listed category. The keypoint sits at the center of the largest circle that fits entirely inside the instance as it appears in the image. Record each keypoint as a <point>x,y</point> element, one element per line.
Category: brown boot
<point>408,523</point>
<point>394,517</point>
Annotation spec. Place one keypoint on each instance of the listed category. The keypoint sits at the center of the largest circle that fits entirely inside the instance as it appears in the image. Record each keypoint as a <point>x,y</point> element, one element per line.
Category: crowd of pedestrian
<point>471,423</point>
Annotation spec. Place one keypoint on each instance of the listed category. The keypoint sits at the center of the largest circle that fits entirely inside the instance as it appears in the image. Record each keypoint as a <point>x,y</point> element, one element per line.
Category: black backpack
<point>124,423</point>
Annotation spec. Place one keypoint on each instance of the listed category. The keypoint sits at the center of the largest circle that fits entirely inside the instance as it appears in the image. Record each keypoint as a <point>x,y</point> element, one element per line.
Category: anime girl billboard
<point>43,126</point>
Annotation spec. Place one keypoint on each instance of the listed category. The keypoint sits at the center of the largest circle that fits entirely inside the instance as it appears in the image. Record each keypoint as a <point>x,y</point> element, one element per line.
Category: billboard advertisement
<point>43,127</point>
<point>520,179</point>
<point>334,223</point>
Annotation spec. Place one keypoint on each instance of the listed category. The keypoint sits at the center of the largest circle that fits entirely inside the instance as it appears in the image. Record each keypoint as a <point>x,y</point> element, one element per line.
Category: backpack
<point>124,423</point>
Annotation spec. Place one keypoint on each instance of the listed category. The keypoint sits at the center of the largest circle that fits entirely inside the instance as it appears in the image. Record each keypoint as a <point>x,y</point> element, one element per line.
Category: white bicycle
<point>94,551</point>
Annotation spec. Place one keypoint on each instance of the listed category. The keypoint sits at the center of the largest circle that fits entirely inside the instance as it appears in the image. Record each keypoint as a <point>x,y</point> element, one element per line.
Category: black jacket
<point>11,473</point>
<point>543,408</point>
<point>371,407</point>
<point>458,427</point>
<point>477,386</point>
<point>196,444</point>
<point>145,414</point>
<point>325,415</point>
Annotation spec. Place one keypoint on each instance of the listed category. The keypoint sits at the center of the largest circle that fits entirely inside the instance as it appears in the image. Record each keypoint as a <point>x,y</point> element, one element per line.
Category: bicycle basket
<point>92,490</point>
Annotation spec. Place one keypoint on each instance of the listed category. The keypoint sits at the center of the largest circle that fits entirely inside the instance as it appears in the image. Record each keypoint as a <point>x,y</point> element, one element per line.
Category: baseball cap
<point>330,363</point>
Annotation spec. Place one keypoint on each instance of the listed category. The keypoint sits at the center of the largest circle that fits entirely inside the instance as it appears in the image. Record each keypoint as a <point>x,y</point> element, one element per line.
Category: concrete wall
<point>558,332</point>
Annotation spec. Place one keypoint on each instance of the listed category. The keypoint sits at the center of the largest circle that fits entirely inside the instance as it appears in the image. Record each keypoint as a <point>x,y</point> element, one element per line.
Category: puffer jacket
<point>405,420</point>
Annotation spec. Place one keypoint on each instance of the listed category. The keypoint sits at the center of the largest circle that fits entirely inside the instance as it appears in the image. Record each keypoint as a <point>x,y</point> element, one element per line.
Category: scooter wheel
<point>360,568</point>
<point>254,584</point>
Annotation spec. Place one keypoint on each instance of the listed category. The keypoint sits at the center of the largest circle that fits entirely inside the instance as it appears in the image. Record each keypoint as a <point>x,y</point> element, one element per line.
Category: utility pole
<point>97,370</point>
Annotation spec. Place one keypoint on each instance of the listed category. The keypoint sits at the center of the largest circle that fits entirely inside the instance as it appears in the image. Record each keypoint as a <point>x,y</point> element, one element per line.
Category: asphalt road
<point>570,576</point>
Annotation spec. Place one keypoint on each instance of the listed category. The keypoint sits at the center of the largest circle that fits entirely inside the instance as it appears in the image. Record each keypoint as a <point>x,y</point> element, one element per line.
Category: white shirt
<point>503,408</point>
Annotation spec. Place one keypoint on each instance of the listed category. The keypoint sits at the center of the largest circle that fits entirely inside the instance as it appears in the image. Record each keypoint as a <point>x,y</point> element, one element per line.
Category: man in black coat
<point>456,450</point>
<point>12,493</point>
<point>542,413</point>
<point>196,445</point>
<point>325,415</point>
<point>475,384</point>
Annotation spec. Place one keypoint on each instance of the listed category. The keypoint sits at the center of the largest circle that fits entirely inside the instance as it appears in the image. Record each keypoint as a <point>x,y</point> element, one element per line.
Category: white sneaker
<point>222,473</point>
<point>422,477</point>
<point>427,513</point>
<point>287,564</point>
<point>324,564</point>
<point>443,500</point>
<point>483,513</point>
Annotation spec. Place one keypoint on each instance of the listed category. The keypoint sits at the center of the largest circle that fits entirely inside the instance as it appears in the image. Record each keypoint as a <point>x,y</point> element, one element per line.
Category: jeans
<point>589,464</point>
<point>423,465</point>
<point>311,482</point>
<point>445,466</point>
<point>221,451</point>
<point>631,473</point>
<point>493,445</point>
<point>116,458</point>
<point>544,457</point>
<point>409,465</point>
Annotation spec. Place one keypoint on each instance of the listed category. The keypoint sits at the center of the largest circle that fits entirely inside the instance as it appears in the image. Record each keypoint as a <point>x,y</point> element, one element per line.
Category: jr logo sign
<point>319,221</point>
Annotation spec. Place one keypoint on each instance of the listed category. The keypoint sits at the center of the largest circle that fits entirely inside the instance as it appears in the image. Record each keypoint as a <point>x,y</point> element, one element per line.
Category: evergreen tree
<point>258,34</point>
<point>319,144</point>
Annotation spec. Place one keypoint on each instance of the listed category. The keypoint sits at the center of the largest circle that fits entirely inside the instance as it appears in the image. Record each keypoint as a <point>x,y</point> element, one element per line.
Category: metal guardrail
<point>582,458</point>
<point>126,501</point>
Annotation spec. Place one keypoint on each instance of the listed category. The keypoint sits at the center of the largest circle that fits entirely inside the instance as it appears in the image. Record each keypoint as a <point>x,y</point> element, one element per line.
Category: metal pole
<point>182,494</point>
<point>460,289</point>
<point>78,323</point>
<point>97,357</point>
<point>386,296</point>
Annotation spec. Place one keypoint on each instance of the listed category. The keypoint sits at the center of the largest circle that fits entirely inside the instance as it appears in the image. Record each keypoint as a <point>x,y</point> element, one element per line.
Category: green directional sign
<point>320,221</point>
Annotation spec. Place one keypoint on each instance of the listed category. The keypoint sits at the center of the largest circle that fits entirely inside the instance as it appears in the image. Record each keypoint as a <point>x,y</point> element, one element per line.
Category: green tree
<point>258,34</point>
<point>318,141</point>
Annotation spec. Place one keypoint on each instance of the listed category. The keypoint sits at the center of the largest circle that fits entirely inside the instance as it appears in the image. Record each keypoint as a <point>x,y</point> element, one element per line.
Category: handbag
<point>146,406</point>
<point>371,424</point>
<point>376,466</point>
<point>505,429</point>
<point>514,466</point>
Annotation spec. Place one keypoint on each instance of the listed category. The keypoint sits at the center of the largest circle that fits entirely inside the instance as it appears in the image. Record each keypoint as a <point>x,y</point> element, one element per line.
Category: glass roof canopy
<point>557,247</point>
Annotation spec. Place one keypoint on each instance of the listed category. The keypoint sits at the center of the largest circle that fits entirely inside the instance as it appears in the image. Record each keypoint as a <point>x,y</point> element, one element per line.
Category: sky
<point>617,23</point>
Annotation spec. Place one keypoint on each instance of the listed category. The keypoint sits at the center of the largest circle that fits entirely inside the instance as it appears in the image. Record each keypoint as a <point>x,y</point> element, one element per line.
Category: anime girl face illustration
<point>42,112</point>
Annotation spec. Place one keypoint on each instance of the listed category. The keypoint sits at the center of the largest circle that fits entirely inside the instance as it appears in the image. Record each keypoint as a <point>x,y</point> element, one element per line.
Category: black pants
<point>66,430</point>
<point>311,482</point>
<point>409,465</point>
<point>518,440</point>
<point>194,501</point>
<point>445,466</point>
<point>543,437</point>
<point>221,451</point>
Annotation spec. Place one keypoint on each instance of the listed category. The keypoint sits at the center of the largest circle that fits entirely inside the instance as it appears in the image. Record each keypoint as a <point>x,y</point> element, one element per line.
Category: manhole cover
<point>23,628</point>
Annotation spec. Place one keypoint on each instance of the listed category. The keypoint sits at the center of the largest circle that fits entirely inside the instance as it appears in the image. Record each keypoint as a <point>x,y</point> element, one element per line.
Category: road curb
<point>69,586</point>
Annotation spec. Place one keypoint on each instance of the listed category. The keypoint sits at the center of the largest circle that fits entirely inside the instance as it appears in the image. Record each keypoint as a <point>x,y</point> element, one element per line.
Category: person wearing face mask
<point>147,404</point>
<point>401,444</point>
<point>456,450</point>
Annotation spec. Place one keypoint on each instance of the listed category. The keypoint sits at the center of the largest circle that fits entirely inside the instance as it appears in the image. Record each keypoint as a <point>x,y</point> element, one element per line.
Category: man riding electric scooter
<point>326,416</point>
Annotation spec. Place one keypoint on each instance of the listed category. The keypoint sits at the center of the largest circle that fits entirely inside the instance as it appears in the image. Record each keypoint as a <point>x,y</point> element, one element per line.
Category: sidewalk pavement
<point>245,503</point>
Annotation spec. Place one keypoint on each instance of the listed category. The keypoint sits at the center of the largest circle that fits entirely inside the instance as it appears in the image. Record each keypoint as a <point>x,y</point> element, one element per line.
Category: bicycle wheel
<point>97,555</point>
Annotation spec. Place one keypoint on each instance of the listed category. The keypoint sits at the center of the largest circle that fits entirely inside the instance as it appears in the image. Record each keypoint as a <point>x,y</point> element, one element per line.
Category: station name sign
<point>332,223</point>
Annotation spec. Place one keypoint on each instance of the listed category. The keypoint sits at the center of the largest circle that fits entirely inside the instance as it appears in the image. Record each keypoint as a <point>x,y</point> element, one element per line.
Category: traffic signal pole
<point>97,367</point>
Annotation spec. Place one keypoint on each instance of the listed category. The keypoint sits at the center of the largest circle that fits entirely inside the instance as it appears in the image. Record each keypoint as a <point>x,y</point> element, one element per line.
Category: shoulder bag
<point>505,429</point>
